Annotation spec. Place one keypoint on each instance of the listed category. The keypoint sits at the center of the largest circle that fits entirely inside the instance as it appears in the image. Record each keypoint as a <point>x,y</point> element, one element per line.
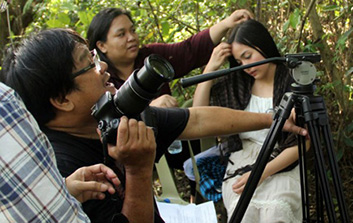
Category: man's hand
<point>136,150</point>
<point>91,182</point>
<point>135,146</point>
<point>289,126</point>
<point>165,101</point>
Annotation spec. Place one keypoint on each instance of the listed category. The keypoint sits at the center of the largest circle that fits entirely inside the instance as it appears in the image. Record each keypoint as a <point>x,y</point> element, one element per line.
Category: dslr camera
<point>133,97</point>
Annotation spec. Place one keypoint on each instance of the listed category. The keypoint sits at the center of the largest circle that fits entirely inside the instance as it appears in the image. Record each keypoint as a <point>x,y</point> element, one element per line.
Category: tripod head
<point>301,65</point>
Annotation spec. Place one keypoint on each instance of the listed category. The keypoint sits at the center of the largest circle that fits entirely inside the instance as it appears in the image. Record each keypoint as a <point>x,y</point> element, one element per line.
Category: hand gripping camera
<point>133,97</point>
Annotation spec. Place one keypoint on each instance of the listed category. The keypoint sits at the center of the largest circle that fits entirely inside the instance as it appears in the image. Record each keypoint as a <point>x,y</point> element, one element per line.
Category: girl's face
<point>122,44</point>
<point>244,54</point>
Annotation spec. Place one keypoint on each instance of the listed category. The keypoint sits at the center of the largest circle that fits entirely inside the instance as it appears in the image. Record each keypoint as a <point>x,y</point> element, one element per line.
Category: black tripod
<point>310,110</point>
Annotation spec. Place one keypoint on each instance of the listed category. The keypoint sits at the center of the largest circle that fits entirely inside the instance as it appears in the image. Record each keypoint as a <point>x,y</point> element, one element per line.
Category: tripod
<point>310,110</point>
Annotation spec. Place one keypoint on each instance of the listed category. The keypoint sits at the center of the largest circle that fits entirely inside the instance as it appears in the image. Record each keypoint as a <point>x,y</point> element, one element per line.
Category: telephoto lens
<point>143,86</point>
<point>133,97</point>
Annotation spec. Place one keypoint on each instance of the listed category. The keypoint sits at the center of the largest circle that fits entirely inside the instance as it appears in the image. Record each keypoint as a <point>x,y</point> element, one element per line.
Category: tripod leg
<point>319,201</point>
<point>322,124</point>
<point>281,116</point>
<point>303,167</point>
<point>310,118</point>
<point>335,173</point>
<point>303,179</point>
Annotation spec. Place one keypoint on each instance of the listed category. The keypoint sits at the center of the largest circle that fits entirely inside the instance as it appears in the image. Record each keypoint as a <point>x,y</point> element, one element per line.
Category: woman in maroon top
<point>112,33</point>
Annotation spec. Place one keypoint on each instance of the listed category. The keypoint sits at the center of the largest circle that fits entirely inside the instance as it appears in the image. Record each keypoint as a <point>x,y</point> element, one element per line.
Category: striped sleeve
<point>31,187</point>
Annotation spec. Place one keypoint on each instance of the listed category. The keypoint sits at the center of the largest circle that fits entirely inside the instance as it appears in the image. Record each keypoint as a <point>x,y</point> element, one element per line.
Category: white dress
<point>277,198</point>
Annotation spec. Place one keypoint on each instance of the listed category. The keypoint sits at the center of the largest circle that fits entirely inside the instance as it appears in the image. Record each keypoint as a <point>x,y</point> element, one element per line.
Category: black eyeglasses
<point>96,64</point>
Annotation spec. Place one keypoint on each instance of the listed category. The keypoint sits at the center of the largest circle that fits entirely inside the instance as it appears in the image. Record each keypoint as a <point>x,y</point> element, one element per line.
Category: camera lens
<point>134,95</point>
<point>143,86</point>
<point>162,69</point>
<point>155,73</point>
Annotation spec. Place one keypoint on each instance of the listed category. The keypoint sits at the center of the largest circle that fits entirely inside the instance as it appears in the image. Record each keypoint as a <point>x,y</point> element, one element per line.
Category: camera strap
<point>118,169</point>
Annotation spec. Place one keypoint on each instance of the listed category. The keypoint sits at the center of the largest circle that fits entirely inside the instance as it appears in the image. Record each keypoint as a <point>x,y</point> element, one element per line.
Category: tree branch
<point>350,46</point>
<point>332,72</point>
<point>155,20</point>
<point>258,10</point>
<point>19,21</point>
<point>197,17</point>
<point>311,5</point>
<point>184,24</point>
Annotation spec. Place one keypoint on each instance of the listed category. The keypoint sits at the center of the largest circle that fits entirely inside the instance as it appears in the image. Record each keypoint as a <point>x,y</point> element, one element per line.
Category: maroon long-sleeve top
<point>183,56</point>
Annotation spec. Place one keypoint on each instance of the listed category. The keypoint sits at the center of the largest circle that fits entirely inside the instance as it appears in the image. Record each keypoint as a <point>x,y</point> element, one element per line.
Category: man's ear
<point>62,103</point>
<point>101,46</point>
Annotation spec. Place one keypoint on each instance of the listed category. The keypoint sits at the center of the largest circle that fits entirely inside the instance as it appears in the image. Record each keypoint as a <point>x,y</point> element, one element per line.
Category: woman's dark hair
<point>40,69</point>
<point>99,28</point>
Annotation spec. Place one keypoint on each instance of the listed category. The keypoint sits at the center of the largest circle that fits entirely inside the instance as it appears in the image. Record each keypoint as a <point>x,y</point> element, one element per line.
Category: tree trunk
<point>334,74</point>
<point>3,34</point>
<point>19,20</point>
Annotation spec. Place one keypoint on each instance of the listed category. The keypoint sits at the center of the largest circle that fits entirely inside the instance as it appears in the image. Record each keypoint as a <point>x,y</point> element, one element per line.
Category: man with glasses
<point>59,81</point>
<point>44,71</point>
<point>95,63</point>
<point>32,188</point>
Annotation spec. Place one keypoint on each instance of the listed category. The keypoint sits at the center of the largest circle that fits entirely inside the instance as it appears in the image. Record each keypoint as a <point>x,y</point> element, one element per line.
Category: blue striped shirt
<point>31,187</point>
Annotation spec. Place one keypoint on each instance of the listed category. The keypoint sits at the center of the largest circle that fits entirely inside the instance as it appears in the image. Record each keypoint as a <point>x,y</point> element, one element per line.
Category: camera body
<point>107,116</point>
<point>133,97</point>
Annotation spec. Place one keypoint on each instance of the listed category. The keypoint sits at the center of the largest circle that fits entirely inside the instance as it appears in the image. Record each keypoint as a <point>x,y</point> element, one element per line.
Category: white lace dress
<point>277,198</point>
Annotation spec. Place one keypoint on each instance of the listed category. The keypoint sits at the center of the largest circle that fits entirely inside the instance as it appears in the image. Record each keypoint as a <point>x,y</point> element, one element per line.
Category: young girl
<point>257,89</point>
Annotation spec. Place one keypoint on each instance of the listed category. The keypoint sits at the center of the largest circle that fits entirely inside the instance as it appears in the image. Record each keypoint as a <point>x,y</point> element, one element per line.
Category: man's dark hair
<point>40,69</point>
<point>99,28</point>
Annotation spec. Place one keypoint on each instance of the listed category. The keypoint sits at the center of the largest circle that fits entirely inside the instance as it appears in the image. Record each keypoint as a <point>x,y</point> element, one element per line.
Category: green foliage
<point>294,18</point>
<point>27,6</point>
<point>173,21</point>
<point>156,21</point>
<point>341,42</point>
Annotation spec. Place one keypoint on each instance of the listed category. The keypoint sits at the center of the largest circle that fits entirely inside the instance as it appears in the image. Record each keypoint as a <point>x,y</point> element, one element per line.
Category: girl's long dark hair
<point>255,35</point>
<point>238,85</point>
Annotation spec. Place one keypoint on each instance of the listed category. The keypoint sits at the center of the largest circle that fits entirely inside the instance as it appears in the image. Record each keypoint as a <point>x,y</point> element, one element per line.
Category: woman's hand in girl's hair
<point>238,16</point>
